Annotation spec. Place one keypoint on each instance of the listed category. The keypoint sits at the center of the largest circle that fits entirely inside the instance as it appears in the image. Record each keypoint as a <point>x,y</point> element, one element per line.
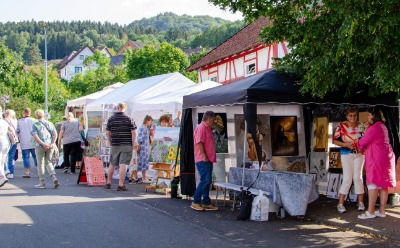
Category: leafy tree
<point>149,61</point>
<point>32,55</point>
<point>334,44</point>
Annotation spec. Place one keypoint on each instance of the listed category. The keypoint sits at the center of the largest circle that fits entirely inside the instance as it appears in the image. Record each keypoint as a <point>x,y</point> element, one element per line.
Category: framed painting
<point>284,136</point>
<point>219,130</point>
<point>321,133</point>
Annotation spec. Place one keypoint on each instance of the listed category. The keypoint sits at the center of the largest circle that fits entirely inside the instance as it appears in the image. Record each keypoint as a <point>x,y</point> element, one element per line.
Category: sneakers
<point>26,175</point>
<point>366,215</point>
<point>360,206</point>
<point>40,186</point>
<point>379,214</point>
<point>210,207</point>
<point>146,181</point>
<point>56,183</point>
<point>107,186</point>
<point>10,176</point>
<point>122,188</point>
<point>341,209</point>
<point>197,207</point>
<point>3,181</point>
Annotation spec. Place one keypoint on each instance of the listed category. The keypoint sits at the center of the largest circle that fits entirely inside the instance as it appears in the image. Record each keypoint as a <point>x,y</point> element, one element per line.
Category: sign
<point>93,168</point>
<point>165,144</point>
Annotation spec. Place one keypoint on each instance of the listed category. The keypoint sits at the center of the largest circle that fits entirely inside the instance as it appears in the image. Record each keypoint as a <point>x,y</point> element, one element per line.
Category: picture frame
<point>284,136</point>
<point>321,133</point>
<point>333,185</point>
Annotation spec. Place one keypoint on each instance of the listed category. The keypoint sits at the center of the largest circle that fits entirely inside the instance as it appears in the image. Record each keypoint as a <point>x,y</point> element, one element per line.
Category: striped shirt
<point>121,127</point>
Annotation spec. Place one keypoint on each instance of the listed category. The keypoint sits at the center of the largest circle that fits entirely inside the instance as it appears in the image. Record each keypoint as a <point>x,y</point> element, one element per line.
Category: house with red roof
<point>241,55</point>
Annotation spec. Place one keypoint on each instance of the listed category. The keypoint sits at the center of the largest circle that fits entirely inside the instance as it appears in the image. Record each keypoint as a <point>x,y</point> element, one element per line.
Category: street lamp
<point>46,107</point>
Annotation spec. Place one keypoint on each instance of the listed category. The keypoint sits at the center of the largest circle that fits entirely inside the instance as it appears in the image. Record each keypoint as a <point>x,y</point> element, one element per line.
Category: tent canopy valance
<point>276,87</point>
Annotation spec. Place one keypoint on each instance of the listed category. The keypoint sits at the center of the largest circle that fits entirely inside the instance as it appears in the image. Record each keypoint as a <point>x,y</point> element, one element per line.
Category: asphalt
<point>82,216</point>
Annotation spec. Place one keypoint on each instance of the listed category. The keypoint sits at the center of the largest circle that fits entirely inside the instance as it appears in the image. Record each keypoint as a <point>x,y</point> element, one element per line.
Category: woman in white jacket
<point>4,146</point>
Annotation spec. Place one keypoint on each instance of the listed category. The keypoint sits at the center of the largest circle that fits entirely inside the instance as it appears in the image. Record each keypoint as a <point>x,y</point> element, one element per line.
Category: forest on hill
<point>26,38</point>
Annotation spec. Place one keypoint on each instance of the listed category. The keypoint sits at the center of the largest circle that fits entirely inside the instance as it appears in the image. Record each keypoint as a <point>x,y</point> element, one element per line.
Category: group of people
<point>365,145</point>
<point>38,138</point>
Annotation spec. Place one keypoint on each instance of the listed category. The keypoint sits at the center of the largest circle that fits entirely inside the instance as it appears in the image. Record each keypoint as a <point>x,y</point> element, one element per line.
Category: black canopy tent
<point>272,87</point>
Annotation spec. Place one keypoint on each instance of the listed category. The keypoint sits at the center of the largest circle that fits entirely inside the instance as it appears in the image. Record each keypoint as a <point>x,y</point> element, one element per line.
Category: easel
<point>164,171</point>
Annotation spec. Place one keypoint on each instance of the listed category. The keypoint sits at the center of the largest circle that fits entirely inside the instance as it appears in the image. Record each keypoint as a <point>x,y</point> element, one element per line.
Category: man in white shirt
<point>24,130</point>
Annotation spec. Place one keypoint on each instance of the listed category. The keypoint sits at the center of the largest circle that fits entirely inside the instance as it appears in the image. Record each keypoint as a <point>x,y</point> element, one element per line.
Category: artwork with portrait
<point>219,129</point>
<point>334,158</point>
<point>321,135</point>
<point>284,136</point>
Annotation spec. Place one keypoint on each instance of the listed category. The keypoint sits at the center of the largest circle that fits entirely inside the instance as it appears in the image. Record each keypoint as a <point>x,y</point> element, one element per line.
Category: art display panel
<point>220,131</point>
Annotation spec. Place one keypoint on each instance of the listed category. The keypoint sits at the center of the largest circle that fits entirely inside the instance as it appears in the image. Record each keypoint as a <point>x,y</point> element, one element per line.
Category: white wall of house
<point>243,65</point>
<point>76,65</point>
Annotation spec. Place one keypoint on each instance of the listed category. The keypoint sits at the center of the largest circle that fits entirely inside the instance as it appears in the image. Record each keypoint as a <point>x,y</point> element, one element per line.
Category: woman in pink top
<point>379,163</point>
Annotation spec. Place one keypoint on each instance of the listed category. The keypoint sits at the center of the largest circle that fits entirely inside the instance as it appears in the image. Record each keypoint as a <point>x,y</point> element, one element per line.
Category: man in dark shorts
<point>121,134</point>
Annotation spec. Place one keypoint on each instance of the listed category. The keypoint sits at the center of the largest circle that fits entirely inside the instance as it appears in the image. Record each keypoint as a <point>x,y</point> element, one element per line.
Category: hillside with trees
<point>26,38</point>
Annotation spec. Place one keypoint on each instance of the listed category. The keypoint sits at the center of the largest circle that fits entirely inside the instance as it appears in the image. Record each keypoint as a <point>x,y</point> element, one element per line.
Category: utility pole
<point>46,106</point>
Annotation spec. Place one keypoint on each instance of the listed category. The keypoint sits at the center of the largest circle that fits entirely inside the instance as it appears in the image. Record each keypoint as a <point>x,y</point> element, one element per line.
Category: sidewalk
<point>324,211</point>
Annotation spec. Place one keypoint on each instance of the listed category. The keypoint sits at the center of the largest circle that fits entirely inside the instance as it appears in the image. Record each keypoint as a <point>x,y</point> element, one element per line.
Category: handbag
<point>12,136</point>
<point>85,142</point>
<point>246,202</point>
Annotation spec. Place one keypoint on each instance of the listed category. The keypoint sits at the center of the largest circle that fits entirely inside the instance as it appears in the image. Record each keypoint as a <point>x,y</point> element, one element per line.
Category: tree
<point>334,44</point>
<point>149,61</point>
<point>32,55</point>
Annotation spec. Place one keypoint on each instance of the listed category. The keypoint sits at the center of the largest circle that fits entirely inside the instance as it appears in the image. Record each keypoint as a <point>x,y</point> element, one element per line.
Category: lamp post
<point>46,107</point>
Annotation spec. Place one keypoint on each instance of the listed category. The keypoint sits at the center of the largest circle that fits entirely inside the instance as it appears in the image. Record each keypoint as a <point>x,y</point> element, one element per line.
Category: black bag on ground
<point>174,187</point>
<point>246,201</point>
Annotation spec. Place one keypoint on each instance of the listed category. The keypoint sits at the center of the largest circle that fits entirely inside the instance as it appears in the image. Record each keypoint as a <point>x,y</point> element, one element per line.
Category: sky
<point>114,11</point>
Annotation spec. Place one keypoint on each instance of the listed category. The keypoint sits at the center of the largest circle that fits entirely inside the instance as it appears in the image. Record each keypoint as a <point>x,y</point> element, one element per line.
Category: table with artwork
<point>293,191</point>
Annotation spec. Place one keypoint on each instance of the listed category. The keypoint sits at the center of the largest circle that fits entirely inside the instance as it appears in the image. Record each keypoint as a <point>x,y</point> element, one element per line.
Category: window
<point>78,69</point>
<point>81,57</point>
<point>250,69</point>
<point>214,79</point>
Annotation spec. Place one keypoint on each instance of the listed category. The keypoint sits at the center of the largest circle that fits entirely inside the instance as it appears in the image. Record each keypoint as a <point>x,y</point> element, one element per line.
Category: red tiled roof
<point>129,44</point>
<point>244,39</point>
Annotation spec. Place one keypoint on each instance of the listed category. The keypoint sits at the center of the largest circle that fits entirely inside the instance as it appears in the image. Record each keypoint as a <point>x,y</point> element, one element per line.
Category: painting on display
<point>321,124</point>
<point>334,158</point>
<point>293,164</point>
<point>262,134</point>
<point>333,185</point>
<point>284,136</point>
<point>165,144</point>
<point>219,130</point>
<point>94,119</point>
<point>318,165</point>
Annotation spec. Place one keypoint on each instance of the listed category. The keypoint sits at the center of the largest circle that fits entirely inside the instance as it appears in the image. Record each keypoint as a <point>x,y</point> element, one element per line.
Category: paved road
<point>81,216</point>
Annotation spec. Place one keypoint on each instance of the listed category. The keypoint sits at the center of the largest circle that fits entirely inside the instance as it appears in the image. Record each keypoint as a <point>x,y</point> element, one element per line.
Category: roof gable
<point>129,44</point>
<point>244,39</point>
<point>73,54</point>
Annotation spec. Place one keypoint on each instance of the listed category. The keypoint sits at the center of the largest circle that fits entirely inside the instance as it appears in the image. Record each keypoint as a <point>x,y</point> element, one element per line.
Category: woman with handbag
<point>13,137</point>
<point>70,136</point>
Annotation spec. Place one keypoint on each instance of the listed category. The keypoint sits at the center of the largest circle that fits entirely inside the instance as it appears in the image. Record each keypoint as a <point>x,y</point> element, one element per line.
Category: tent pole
<point>244,151</point>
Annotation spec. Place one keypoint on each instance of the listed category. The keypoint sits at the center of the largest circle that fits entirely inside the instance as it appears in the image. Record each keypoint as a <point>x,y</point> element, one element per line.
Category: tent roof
<point>275,87</point>
<point>177,96</point>
<point>82,101</point>
<point>135,90</point>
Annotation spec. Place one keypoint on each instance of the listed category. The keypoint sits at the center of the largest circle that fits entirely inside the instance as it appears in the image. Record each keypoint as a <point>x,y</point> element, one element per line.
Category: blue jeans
<point>203,188</point>
<point>11,156</point>
<point>26,155</point>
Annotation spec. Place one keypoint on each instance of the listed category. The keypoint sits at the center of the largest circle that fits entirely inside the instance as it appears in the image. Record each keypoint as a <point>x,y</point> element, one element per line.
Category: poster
<point>263,132</point>
<point>165,144</point>
<point>321,134</point>
<point>284,136</point>
<point>219,130</point>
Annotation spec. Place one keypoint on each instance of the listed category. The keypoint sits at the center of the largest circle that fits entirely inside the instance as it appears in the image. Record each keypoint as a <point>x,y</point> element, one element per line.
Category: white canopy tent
<point>133,92</point>
<point>85,100</point>
<point>170,102</point>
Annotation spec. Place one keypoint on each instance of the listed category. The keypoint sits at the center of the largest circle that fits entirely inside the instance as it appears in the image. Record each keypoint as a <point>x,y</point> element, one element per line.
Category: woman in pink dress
<point>379,163</point>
